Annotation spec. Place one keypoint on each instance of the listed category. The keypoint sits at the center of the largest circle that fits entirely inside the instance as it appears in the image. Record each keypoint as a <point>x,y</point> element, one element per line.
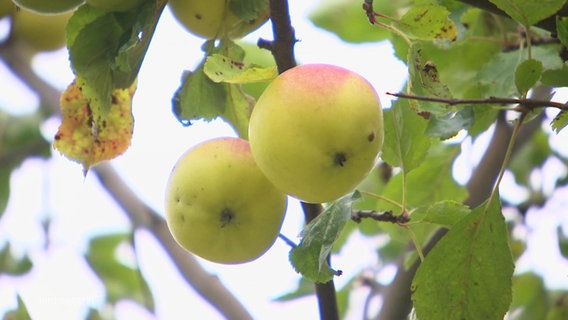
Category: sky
<point>58,287</point>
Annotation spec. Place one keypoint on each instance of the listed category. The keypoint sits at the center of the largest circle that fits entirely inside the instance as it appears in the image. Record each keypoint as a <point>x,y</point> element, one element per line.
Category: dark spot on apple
<point>182,218</point>
<point>198,16</point>
<point>227,216</point>
<point>371,136</point>
<point>340,159</point>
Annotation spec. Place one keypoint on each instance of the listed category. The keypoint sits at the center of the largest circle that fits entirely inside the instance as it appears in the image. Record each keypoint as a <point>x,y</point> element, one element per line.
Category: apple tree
<point>482,75</point>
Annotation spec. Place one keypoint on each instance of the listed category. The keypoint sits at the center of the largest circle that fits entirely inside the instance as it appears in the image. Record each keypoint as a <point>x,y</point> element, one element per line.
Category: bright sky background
<point>58,288</point>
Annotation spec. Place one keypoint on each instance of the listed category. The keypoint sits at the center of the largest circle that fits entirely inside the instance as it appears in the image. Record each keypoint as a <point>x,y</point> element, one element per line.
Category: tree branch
<point>140,214</point>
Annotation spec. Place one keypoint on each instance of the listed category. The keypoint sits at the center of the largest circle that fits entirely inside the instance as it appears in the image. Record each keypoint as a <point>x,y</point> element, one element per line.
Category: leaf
<point>405,144</point>
<point>527,74</point>
<point>529,297</point>
<point>21,312</point>
<point>560,121</point>
<point>106,49</point>
<point>562,242</point>
<point>238,109</point>
<point>562,30</point>
<point>89,135</point>
<point>555,77</point>
<point>448,126</point>
<point>424,80</point>
<point>347,20</point>
<point>224,69</point>
<point>198,98</point>
<point>467,275</point>
<point>529,12</point>
<point>309,258</point>
<point>121,281</point>
<point>12,265</point>
<point>428,22</point>
<point>445,213</point>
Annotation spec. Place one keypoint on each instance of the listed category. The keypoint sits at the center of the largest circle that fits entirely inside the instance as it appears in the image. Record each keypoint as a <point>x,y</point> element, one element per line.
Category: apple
<point>316,131</point>
<point>49,6</point>
<point>115,5</point>
<point>7,7</point>
<point>213,19</point>
<point>40,32</point>
<point>220,206</point>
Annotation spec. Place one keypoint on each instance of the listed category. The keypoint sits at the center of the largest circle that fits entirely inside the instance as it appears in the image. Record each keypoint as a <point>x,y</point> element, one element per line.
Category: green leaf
<point>562,242</point>
<point>5,174</point>
<point>121,281</point>
<point>309,258</point>
<point>562,30</point>
<point>238,109</point>
<point>21,312</point>
<point>347,20</point>
<point>529,297</point>
<point>527,74</point>
<point>467,275</point>
<point>428,22</point>
<point>106,49</point>
<point>445,213</point>
<point>529,12</point>
<point>405,144</point>
<point>12,265</point>
<point>448,126</point>
<point>198,98</point>
<point>560,121</point>
<point>224,69</point>
<point>555,77</point>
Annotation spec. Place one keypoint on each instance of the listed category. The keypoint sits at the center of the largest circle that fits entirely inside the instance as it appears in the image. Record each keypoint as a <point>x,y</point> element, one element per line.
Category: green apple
<point>220,206</point>
<point>7,7</point>
<point>49,6</point>
<point>213,19</point>
<point>316,131</point>
<point>40,32</point>
<point>115,5</point>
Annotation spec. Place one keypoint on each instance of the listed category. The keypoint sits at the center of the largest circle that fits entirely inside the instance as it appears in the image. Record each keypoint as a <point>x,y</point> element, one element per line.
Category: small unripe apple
<point>220,206</point>
<point>115,5</point>
<point>40,32</point>
<point>49,6</point>
<point>316,131</point>
<point>213,19</point>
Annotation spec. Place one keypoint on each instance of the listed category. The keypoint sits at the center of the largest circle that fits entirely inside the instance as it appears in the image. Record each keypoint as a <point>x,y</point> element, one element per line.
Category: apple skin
<point>40,32</point>
<point>115,5</point>
<point>220,206</point>
<point>7,7</point>
<point>49,6</point>
<point>213,19</point>
<point>316,131</point>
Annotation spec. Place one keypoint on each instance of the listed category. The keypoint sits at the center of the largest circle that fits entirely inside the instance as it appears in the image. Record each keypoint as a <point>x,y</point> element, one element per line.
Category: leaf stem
<point>415,242</point>
<point>377,196</point>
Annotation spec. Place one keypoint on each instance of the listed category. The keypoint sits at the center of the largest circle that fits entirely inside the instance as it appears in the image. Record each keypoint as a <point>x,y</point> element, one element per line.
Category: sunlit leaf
<point>89,135</point>
<point>309,258</point>
<point>448,126</point>
<point>121,281</point>
<point>224,69</point>
<point>529,12</point>
<point>428,22</point>
<point>562,30</point>
<point>560,121</point>
<point>527,74</point>
<point>467,275</point>
<point>238,109</point>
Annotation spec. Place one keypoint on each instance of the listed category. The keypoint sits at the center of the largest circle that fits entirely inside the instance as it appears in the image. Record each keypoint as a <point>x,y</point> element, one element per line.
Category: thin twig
<point>525,103</point>
<point>386,216</point>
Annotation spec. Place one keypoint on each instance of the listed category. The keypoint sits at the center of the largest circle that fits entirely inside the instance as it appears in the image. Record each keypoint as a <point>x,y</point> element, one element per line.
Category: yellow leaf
<point>87,134</point>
